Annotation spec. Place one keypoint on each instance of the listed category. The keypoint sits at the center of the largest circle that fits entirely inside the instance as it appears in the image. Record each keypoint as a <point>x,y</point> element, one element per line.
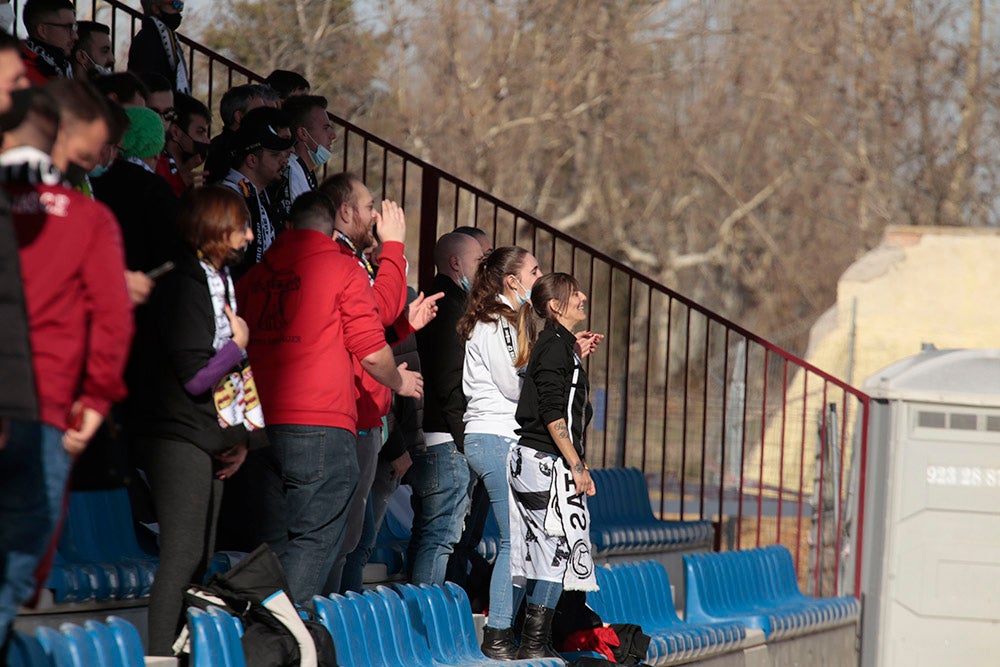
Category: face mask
<point>465,284</point>
<point>98,171</point>
<point>97,71</point>
<point>75,174</point>
<point>200,149</point>
<point>320,155</point>
<point>172,21</point>
<point>236,256</point>
<point>521,300</point>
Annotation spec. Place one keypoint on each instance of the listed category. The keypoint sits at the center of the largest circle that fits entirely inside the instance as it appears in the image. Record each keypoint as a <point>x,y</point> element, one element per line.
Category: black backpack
<point>274,635</point>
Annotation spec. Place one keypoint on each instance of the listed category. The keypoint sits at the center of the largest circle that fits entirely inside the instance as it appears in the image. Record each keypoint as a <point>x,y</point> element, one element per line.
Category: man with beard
<point>261,148</point>
<point>51,26</point>
<point>155,47</point>
<point>93,55</point>
<point>187,145</point>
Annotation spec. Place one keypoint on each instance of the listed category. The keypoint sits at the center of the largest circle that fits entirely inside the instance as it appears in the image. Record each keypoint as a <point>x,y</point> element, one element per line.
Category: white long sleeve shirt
<point>491,384</point>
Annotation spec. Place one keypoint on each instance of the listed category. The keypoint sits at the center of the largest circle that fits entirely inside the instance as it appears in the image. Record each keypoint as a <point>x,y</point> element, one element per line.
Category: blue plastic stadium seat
<point>758,588</point>
<point>622,521</point>
<point>425,626</point>
<point>26,651</point>
<point>207,643</point>
<point>99,557</point>
<point>639,593</point>
<point>229,630</point>
<point>127,641</point>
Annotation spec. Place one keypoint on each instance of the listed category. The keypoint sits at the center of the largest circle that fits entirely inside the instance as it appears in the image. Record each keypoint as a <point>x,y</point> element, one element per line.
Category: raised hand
<point>422,310</point>
<point>587,342</point>
<point>391,223</point>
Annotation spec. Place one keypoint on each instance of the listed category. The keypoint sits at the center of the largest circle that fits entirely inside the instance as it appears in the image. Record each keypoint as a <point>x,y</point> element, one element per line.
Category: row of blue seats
<point>99,558</point>
<point>622,523</point>
<point>640,593</point>
<point>431,626</point>
<point>115,643</point>
<point>758,588</point>
<point>426,626</point>
<point>423,626</point>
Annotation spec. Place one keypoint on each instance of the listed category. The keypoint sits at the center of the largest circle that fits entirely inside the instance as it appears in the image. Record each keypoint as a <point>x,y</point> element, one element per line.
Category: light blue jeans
<point>440,480</point>
<point>487,456</point>
<point>34,467</point>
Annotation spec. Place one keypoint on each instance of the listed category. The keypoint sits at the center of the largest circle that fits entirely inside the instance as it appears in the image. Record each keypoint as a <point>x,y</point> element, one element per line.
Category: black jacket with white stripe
<point>555,387</point>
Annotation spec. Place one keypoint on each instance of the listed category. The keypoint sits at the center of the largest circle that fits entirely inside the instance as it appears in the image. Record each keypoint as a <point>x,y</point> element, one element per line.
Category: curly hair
<point>483,304</point>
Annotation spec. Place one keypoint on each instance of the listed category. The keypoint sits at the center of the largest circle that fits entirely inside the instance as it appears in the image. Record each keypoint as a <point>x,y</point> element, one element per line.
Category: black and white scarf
<point>175,57</point>
<point>549,522</point>
<point>28,165</point>
<point>343,239</point>
<point>61,66</point>
<point>258,203</point>
<point>235,395</point>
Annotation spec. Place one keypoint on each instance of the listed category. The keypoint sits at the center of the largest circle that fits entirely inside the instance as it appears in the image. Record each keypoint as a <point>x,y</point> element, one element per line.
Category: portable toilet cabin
<point>931,550</point>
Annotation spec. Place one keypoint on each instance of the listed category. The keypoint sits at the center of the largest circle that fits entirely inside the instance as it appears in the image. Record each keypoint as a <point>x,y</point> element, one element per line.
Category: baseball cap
<point>259,129</point>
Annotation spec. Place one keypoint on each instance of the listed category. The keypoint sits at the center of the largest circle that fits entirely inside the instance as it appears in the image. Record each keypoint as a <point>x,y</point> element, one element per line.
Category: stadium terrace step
<point>758,588</point>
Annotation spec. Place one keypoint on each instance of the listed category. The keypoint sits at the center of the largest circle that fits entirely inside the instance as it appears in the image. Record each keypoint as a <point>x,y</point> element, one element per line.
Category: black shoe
<point>499,644</point>
<point>536,634</point>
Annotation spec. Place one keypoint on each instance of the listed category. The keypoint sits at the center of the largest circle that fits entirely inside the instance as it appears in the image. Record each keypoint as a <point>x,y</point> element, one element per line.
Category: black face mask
<point>200,149</point>
<point>172,21</point>
<point>75,174</point>
<point>235,257</point>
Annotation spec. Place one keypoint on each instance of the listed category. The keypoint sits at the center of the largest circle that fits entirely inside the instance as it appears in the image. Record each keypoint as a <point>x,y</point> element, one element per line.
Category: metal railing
<point>727,426</point>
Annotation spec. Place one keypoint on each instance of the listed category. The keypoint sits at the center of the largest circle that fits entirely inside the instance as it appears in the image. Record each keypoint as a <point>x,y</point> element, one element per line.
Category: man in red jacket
<point>310,310</point>
<point>354,231</point>
<point>79,327</point>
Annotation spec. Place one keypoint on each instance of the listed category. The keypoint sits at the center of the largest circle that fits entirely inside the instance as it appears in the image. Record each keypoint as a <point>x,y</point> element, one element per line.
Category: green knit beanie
<point>145,136</point>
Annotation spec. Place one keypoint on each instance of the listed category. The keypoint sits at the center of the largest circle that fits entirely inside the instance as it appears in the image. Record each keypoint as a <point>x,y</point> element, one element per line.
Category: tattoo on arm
<point>561,430</point>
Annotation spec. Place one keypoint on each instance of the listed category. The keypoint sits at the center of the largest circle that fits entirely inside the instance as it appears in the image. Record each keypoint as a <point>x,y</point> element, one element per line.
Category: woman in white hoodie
<point>492,387</point>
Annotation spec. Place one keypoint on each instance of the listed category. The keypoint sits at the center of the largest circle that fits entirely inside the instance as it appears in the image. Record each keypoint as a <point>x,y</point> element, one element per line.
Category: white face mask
<point>7,17</point>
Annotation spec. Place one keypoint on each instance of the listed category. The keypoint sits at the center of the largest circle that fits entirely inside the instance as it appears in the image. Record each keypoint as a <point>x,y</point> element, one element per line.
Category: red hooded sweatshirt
<point>309,309</point>
<point>390,300</point>
<point>79,312</point>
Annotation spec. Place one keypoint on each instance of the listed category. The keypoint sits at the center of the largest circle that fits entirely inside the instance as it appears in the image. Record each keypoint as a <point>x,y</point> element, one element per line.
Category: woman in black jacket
<point>549,479</point>
<point>197,397</point>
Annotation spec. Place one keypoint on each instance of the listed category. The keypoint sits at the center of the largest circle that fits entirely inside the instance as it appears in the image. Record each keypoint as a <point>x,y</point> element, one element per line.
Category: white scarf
<point>235,395</point>
<point>550,543</point>
<point>175,57</point>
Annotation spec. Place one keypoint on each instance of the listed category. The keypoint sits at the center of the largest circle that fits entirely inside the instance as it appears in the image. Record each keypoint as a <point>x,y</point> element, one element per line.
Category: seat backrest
<point>229,629</point>
<point>127,641</point>
<point>26,651</point>
<point>329,616</point>
<point>103,641</point>
<point>56,647</point>
<point>414,645</point>
<point>206,643</point>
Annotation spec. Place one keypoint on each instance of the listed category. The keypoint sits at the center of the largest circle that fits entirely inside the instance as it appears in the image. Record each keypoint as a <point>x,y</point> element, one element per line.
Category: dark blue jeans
<point>33,471</point>
<point>440,480</point>
<point>319,472</point>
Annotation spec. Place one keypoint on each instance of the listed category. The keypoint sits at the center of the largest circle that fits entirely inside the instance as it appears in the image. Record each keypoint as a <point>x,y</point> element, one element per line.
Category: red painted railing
<point>727,426</point>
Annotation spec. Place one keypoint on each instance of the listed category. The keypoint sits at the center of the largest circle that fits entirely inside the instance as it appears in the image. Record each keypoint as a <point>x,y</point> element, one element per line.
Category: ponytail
<point>553,286</point>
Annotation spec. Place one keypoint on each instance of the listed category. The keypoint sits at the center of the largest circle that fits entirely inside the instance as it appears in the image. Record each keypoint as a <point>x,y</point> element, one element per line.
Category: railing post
<point>430,185</point>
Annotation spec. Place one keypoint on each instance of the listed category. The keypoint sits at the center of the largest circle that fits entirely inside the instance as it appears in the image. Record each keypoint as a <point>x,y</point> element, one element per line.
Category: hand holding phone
<point>166,267</point>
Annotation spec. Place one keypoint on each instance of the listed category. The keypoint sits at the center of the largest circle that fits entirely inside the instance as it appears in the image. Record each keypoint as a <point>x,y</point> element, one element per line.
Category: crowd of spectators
<point>242,328</point>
